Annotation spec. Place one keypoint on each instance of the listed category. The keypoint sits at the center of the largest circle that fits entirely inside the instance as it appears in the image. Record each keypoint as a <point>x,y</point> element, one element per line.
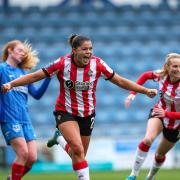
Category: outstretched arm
<point>141,80</point>
<point>38,92</point>
<point>23,80</point>
<point>130,85</point>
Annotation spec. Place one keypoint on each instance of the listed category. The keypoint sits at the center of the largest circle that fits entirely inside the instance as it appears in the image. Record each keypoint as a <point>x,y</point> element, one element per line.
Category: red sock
<point>26,169</point>
<point>17,171</point>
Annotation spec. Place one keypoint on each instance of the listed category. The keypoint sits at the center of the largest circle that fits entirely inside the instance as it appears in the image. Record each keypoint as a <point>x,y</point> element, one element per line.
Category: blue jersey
<point>13,104</point>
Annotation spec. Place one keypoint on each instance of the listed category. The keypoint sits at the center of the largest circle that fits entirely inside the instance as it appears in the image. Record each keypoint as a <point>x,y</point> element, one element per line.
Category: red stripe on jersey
<point>95,84</point>
<point>60,102</point>
<point>164,89</point>
<point>85,93</point>
<point>74,103</point>
<point>173,94</point>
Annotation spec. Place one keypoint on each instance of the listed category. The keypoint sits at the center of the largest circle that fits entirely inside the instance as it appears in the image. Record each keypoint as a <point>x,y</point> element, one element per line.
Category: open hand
<point>128,100</point>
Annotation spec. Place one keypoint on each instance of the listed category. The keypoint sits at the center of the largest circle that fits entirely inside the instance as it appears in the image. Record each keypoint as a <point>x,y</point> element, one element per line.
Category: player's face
<point>174,69</point>
<point>18,53</point>
<point>83,53</point>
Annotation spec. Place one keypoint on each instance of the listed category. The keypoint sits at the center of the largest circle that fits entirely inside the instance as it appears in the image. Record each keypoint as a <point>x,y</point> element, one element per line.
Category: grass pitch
<point>100,175</point>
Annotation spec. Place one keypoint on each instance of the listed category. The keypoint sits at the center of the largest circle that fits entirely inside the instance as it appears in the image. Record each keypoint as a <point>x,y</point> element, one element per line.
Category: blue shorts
<point>13,130</point>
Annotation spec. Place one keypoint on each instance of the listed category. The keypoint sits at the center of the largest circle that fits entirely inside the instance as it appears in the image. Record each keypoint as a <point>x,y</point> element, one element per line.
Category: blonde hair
<point>30,59</point>
<point>169,57</point>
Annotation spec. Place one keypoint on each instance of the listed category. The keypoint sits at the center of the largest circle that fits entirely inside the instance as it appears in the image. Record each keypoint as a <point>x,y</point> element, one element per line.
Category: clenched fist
<point>6,87</point>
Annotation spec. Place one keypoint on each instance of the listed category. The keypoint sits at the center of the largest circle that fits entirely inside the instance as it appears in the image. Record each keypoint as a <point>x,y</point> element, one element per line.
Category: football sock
<point>141,154</point>
<point>17,171</point>
<point>157,163</point>
<point>82,170</point>
<point>62,142</point>
<point>26,170</point>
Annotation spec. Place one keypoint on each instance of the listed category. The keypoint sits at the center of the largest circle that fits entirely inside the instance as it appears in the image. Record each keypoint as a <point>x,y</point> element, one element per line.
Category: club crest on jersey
<point>177,91</point>
<point>69,84</point>
<point>90,73</point>
<point>16,128</point>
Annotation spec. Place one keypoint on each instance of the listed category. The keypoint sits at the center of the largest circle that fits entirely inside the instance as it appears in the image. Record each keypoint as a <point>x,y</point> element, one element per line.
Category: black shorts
<point>86,124</point>
<point>172,135</point>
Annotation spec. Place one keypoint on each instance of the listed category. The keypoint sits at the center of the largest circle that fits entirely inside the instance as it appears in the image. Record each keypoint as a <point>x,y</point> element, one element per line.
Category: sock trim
<point>160,160</point>
<point>144,147</point>
<point>67,148</point>
<point>80,165</point>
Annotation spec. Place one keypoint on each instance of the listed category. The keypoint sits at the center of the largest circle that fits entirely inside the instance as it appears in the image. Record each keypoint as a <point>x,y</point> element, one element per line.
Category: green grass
<point>106,175</point>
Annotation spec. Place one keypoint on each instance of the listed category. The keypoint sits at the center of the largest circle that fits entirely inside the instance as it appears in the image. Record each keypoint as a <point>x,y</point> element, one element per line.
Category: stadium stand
<point>130,39</point>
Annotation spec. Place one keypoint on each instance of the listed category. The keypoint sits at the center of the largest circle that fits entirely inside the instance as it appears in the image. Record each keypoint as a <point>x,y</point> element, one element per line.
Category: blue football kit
<point>14,117</point>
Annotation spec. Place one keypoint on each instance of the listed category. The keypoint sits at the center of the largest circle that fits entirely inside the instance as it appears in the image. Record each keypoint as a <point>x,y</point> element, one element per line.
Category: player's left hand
<point>6,87</point>
<point>158,112</point>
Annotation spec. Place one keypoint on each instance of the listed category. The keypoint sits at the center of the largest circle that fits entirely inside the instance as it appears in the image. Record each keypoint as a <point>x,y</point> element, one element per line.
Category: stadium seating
<point>130,39</point>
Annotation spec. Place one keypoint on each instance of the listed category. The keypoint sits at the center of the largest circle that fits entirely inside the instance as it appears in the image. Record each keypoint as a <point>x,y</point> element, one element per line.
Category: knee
<point>32,159</point>
<point>22,154</point>
<point>77,149</point>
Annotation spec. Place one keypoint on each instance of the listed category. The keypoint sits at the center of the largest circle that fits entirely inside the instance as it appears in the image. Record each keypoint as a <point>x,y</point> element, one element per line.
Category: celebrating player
<point>15,122</point>
<point>78,74</point>
<point>164,117</point>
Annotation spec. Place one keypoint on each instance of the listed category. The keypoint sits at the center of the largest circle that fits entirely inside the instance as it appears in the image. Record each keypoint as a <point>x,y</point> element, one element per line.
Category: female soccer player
<point>78,74</point>
<point>14,117</point>
<point>164,117</point>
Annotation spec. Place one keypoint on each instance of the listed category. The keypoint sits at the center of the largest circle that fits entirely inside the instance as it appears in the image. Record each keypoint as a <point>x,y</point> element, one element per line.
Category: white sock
<point>154,168</point>
<point>139,160</point>
<point>83,174</point>
<point>62,142</point>
<point>82,170</point>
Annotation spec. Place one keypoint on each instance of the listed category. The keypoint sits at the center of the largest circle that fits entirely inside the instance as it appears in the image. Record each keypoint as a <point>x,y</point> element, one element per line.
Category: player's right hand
<point>128,100</point>
<point>151,93</point>
<point>6,87</point>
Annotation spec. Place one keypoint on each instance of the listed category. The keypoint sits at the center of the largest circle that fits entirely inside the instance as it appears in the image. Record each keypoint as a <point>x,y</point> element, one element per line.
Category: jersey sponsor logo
<point>78,85</point>
<point>16,128</point>
<point>22,89</point>
<point>82,85</point>
<point>11,75</point>
<point>69,84</point>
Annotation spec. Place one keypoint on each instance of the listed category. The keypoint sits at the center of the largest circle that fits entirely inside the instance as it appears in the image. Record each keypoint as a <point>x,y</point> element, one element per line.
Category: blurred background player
<point>78,74</point>
<point>15,122</point>
<point>164,117</point>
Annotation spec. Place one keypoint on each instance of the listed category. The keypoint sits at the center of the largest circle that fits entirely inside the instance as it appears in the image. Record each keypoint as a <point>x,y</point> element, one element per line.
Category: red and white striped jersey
<point>169,101</point>
<point>169,97</point>
<point>78,85</point>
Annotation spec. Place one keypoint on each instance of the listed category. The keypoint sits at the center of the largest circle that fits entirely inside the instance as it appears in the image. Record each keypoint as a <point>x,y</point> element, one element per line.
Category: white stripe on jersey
<point>67,68</point>
<point>79,96</point>
<point>90,93</point>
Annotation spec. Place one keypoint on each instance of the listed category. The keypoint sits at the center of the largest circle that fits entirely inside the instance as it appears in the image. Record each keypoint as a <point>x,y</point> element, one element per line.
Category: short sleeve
<point>156,74</point>
<point>106,72</point>
<point>53,68</point>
